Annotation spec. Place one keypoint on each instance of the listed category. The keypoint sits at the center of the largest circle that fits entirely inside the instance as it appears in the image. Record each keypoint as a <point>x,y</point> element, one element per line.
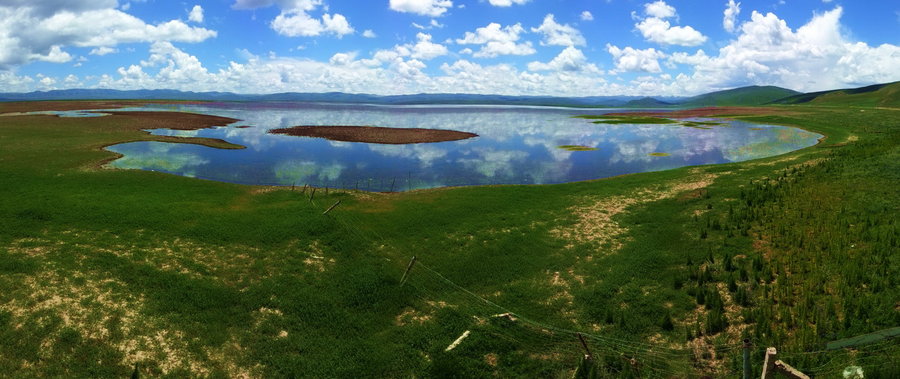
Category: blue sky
<point>519,47</point>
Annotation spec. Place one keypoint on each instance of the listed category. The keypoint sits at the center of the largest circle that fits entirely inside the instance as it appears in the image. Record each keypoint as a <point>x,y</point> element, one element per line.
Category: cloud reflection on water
<point>515,145</point>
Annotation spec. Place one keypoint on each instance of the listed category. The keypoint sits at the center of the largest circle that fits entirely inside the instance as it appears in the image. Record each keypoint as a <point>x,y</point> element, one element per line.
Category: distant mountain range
<point>877,95</point>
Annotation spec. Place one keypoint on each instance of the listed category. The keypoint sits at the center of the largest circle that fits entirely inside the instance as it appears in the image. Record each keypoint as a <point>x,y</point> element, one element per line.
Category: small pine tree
<point>666,323</point>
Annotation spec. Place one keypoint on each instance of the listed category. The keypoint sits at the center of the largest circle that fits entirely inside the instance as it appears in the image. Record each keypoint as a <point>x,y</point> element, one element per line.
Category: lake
<point>516,145</point>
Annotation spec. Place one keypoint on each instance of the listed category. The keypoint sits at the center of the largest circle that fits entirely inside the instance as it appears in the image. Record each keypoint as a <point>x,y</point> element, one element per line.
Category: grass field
<point>663,273</point>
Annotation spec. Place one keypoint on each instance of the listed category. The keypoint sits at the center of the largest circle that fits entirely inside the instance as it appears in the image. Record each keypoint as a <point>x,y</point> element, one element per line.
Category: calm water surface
<point>516,145</point>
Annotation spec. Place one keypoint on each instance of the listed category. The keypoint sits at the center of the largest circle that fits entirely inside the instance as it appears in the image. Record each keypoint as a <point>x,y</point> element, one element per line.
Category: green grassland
<point>880,95</point>
<point>752,95</point>
<point>663,273</point>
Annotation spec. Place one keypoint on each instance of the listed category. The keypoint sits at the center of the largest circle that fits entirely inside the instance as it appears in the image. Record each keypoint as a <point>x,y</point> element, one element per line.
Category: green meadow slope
<point>752,95</point>
<point>880,95</point>
<point>662,273</point>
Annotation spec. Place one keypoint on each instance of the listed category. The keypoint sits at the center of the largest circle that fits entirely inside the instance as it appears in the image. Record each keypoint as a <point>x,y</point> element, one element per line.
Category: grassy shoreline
<point>103,269</point>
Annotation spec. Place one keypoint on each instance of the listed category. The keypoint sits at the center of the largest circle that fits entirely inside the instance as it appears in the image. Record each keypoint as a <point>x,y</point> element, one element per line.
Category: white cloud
<point>659,9</point>
<point>425,49</point>
<point>368,33</point>
<point>656,29</point>
<point>560,35</point>
<point>732,9</point>
<point>39,31</point>
<point>337,24</point>
<point>570,59</point>
<point>631,59</point>
<point>298,23</point>
<point>196,14</point>
<point>587,16</point>
<point>506,3</point>
<point>496,40</point>
<point>433,8</point>
<point>817,56</point>
<point>660,31</point>
<point>342,59</point>
<point>295,20</point>
<point>431,25</point>
<point>103,50</point>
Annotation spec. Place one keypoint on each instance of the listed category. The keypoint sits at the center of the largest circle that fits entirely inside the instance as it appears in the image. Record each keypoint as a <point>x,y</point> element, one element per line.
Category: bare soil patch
<point>375,134</point>
<point>172,120</point>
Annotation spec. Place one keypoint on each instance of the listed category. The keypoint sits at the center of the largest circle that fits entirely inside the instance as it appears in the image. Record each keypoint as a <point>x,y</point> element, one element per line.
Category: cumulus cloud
<point>39,30</point>
<point>423,49</point>
<point>103,50</point>
<point>196,14</point>
<point>816,56</point>
<point>570,59</point>
<point>656,28</point>
<point>631,59</point>
<point>587,16</point>
<point>659,9</point>
<point>368,33</point>
<point>732,9</point>
<point>506,3</point>
<point>660,31</point>
<point>497,40</point>
<point>295,20</point>
<point>432,8</point>
<point>557,34</point>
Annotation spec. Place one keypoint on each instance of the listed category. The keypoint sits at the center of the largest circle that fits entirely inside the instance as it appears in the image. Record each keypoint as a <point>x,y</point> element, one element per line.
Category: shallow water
<point>516,145</point>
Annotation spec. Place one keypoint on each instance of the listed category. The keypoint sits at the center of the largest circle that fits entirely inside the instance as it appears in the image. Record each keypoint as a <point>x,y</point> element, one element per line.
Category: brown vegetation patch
<point>708,112</point>
<point>375,134</point>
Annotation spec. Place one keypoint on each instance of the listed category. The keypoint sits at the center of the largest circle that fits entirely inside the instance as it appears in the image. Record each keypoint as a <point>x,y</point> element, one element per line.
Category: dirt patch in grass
<point>596,222</point>
<point>375,134</point>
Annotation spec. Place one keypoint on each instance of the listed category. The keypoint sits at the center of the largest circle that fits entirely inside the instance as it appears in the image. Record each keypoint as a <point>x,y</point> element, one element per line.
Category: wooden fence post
<point>408,268</point>
<point>588,355</point>
<point>331,207</point>
<point>747,358</point>
<point>768,371</point>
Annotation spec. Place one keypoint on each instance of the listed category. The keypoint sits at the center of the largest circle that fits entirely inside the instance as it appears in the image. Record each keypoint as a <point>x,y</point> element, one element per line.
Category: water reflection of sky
<point>516,145</point>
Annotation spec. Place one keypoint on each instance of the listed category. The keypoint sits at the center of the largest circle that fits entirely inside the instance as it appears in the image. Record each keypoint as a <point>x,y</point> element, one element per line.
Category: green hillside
<point>878,95</point>
<point>752,95</point>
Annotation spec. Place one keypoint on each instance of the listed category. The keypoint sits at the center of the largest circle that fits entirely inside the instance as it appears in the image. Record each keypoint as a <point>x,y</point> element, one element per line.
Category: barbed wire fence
<point>539,340</point>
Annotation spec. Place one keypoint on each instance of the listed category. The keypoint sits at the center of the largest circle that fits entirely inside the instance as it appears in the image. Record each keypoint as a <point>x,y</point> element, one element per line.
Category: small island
<point>375,134</point>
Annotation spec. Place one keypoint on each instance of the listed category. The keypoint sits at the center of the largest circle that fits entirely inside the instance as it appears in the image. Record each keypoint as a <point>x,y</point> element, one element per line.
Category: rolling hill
<point>752,95</point>
<point>878,95</point>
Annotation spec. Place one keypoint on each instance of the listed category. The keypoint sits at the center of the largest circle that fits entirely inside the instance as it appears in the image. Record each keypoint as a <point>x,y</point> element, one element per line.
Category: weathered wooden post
<point>746,358</point>
<point>408,268</point>
<point>588,355</point>
<point>331,207</point>
<point>768,371</point>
